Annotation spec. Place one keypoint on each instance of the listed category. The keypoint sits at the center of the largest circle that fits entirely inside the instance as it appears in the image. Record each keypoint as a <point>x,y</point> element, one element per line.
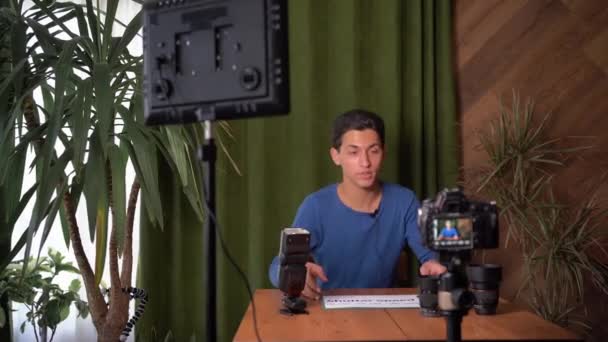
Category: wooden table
<point>510,323</point>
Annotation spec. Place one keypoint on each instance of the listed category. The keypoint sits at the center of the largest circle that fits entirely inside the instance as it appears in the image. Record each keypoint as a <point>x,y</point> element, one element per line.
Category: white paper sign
<point>369,302</point>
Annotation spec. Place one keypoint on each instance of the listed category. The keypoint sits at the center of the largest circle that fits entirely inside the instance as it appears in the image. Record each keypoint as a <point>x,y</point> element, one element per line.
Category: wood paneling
<point>555,52</point>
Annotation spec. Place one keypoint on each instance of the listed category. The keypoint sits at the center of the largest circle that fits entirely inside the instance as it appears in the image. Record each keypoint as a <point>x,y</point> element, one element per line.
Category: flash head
<point>293,255</point>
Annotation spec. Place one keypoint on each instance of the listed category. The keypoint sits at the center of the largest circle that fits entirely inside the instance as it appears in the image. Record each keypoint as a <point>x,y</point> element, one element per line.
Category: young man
<point>359,226</point>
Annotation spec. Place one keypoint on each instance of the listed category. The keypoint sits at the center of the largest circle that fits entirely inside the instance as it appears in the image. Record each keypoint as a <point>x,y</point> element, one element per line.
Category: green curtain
<point>393,57</point>
<point>171,268</point>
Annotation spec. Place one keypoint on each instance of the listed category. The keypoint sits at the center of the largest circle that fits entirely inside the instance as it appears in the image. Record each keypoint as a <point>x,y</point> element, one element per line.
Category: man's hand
<point>313,271</point>
<point>432,267</point>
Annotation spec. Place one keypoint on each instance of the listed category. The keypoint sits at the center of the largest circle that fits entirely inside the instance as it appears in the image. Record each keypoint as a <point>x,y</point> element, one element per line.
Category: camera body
<point>452,223</point>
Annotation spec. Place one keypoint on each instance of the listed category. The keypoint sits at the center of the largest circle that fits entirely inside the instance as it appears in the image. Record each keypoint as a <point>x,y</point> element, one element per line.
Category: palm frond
<point>559,242</point>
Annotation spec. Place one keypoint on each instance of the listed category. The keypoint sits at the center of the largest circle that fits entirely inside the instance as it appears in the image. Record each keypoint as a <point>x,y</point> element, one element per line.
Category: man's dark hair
<point>357,119</point>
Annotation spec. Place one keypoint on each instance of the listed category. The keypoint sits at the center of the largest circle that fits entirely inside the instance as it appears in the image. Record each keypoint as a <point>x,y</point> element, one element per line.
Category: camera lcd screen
<point>453,232</point>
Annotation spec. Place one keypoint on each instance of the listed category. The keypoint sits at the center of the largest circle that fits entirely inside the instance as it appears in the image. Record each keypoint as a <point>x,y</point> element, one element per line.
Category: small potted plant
<point>33,284</point>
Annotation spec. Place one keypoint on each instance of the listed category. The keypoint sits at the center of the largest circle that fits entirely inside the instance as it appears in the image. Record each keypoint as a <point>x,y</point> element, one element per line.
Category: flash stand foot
<point>293,306</point>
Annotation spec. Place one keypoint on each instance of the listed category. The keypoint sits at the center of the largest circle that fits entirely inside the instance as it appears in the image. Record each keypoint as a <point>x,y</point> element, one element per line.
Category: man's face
<point>360,157</point>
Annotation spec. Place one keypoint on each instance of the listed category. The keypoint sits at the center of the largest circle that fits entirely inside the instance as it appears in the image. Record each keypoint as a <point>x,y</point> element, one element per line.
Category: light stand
<point>214,60</point>
<point>208,155</point>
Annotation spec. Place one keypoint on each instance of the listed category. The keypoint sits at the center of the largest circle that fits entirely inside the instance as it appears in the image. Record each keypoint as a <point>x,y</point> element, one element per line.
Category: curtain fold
<point>392,57</point>
<point>430,154</point>
<point>171,267</point>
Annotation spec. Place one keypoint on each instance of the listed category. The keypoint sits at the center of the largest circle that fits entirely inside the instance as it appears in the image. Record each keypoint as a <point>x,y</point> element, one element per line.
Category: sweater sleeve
<point>413,236</point>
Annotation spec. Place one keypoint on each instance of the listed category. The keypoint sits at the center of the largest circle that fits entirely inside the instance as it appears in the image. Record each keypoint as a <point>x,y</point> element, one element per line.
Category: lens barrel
<point>485,283</point>
<point>428,295</point>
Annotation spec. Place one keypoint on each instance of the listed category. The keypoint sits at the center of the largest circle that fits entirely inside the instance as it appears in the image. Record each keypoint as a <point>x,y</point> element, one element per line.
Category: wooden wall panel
<point>556,52</point>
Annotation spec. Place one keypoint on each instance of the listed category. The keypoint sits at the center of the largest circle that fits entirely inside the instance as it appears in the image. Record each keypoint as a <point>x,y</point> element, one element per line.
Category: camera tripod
<point>454,298</point>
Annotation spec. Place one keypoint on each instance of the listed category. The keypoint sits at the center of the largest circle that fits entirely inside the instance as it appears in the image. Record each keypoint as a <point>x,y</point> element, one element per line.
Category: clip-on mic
<point>374,213</point>
<point>293,255</point>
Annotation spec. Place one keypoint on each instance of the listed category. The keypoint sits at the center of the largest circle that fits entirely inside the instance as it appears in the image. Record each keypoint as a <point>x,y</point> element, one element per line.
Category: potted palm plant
<point>83,133</point>
<point>558,242</point>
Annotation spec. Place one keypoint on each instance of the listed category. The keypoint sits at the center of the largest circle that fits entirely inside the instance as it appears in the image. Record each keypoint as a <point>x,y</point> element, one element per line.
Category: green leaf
<point>104,101</point>
<point>75,285</point>
<point>130,32</point>
<point>145,161</point>
<point>63,71</point>
<point>10,79</point>
<point>52,315</point>
<point>101,239</point>
<point>57,21</point>
<point>161,143</point>
<point>16,249</point>
<point>138,170</point>
<point>113,46</point>
<point>192,191</point>
<point>47,95</point>
<point>111,6</point>
<point>137,103</point>
<point>48,42</point>
<point>80,120</point>
<point>28,139</point>
<point>82,23</point>
<point>55,256</point>
<point>83,308</point>
<point>94,25</point>
<point>67,267</point>
<point>94,181</point>
<point>77,187</point>
<point>64,311</point>
<point>52,178</point>
<point>118,164</point>
<point>18,53</point>
<point>12,189</point>
<point>64,226</point>
<point>177,149</point>
<point>50,218</point>
<point>22,327</point>
<point>194,197</point>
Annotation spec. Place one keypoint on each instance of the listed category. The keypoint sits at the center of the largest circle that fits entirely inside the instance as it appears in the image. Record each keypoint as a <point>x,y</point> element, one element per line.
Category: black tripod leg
<point>454,328</point>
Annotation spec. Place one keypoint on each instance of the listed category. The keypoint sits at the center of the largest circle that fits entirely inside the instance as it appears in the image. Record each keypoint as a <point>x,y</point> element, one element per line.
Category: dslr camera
<point>453,226</point>
<point>452,223</point>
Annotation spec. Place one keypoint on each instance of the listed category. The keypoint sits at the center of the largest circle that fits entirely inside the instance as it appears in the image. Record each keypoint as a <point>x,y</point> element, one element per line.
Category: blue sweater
<point>356,249</point>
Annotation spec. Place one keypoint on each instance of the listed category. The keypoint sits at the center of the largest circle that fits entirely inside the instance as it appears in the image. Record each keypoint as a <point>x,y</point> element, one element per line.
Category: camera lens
<point>428,295</point>
<point>485,283</point>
